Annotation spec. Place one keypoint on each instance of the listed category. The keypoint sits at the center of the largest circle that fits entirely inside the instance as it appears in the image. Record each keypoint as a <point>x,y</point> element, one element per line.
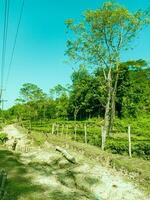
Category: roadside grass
<point>135,169</point>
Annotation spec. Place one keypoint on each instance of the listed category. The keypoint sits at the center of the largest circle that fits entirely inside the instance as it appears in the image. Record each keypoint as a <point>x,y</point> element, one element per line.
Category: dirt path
<point>86,180</point>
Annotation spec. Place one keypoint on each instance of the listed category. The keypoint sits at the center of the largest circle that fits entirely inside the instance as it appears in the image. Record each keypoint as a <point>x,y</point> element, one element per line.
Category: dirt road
<point>48,169</point>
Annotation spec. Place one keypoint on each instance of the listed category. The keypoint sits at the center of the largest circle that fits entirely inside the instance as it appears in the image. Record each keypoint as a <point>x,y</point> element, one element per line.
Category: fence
<point>92,133</point>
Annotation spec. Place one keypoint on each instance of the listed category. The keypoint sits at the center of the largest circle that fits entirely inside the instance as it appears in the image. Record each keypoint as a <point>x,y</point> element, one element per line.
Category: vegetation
<point>99,41</point>
<point>118,144</point>
<point>137,169</point>
<point>3,137</point>
<point>83,103</point>
<point>106,96</point>
<point>105,90</point>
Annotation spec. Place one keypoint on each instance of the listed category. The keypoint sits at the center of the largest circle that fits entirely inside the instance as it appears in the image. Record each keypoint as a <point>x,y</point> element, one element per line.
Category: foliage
<point>103,33</point>
<point>31,92</point>
<point>96,44</point>
<point>99,40</point>
<point>117,144</point>
<point>3,137</point>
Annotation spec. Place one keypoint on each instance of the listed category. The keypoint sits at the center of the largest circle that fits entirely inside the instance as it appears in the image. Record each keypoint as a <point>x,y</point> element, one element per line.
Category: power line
<point>5,29</point>
<point>15,41</point>
<point>4,45</point>
<point>2,103</point>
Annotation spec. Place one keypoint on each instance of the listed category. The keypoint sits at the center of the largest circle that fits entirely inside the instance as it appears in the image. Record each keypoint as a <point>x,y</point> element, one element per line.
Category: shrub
<point>3,137</point>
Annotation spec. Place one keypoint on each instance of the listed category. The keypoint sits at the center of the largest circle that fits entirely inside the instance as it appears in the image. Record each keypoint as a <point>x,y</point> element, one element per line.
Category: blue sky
<point>39,55</point>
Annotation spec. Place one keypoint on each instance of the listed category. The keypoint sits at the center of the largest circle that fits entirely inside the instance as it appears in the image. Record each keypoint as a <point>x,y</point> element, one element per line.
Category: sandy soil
<point>110,185</point>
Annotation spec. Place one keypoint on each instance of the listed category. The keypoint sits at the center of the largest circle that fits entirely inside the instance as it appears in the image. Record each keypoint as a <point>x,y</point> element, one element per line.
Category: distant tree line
<point>86,96</point>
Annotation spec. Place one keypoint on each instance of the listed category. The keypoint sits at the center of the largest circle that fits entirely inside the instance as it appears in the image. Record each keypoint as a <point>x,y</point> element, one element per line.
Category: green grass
<point>117,144</point>
<point>136,168</point>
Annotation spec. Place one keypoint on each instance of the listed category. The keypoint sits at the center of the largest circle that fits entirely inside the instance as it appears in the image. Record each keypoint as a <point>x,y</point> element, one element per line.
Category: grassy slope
<point>135,168</point>
<point>20,185</point>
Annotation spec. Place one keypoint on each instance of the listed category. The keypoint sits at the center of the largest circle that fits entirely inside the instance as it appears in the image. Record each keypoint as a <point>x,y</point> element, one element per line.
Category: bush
<point>117,147</point>
<point>142,149</point>
<point>3,137</point>
<point>139,148</point>
<point>117,144</point>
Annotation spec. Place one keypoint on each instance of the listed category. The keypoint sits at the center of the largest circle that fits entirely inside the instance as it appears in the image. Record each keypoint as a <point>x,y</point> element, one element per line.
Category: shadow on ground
<point>76,183</point>
<point>20,185</point>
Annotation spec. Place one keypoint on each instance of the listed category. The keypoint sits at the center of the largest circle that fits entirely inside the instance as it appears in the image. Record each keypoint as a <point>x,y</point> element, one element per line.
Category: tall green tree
<point>133,92</point>
<point>79,89</point>
<point>32,96</point>
<point>31,92</point>
<point>99,40</point>
<point>61,97</point>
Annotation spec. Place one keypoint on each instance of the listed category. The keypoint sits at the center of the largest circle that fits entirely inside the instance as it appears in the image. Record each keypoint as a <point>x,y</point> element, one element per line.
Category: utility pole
<point>1,93</point>
<point>2,101</point>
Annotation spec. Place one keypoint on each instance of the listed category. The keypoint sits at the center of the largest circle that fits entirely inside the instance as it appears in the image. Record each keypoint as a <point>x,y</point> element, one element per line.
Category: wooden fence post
<point>53,128</point>
<point>102,136</point>
<point>75,131</point>
<point>129,140</point>
<point>66,130</point>
<point>85,133</point>
<point>57,129</point>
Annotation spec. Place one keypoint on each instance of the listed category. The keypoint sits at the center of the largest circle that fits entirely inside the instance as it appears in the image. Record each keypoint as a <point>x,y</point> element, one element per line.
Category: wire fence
<point>124,140</point>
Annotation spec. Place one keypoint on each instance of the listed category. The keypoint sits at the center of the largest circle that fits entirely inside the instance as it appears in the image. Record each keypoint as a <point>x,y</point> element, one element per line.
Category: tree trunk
<point>75,114</point>
<point>75,131</point>
<point>107,110</point>
<point>112,115</point>
<point>76,111</point>
<point>102,138</point>
<point>68,156</point>
<point>129,140</point>
<point>85,133</point>
<point>113,99</point>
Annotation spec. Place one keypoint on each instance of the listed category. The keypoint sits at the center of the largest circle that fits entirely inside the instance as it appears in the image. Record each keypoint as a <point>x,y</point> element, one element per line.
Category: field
<point>116,144</point>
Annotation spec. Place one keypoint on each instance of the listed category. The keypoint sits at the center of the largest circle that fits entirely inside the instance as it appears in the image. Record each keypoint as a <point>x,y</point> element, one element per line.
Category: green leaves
<point>31,92</point>
<point>69,23</point>
<point>103,33</point>
<point>133,88</point>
